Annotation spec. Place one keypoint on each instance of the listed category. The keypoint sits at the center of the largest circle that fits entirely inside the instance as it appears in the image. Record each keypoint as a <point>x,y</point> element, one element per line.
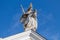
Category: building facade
<point>27,35</point>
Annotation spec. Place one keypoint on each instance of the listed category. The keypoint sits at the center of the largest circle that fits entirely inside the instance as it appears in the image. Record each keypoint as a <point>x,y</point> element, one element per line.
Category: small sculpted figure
<point>29,19</point>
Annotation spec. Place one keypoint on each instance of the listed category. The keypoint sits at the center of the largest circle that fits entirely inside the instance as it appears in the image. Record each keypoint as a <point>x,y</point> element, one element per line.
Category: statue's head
<point>24,18</point>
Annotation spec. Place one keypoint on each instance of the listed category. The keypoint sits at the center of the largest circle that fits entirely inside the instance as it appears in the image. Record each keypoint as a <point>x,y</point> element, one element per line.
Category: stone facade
<point>27,35</point>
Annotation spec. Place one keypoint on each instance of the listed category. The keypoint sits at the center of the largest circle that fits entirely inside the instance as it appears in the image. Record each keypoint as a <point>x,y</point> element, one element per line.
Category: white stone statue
<point>29,19</point>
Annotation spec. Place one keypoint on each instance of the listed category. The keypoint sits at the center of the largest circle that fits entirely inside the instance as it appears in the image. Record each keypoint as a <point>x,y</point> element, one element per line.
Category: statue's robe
<point>30,23</point>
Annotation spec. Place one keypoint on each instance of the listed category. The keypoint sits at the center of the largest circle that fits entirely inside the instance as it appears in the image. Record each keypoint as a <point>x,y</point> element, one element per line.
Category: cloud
<point>44,17</point>
<point>15,25</point>
<point>49,35</point>
<point>55,36</point>
<point>47,25</point>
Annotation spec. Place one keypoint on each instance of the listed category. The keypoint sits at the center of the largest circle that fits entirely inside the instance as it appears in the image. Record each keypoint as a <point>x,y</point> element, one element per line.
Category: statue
<point>29,19</point>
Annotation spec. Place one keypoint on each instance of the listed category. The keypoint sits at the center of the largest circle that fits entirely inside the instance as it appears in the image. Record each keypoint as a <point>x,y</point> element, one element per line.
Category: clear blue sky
<point>48,17</point>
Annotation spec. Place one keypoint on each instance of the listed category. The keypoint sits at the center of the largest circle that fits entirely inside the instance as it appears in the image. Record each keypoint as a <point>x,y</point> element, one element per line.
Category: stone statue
<point>29,19</point>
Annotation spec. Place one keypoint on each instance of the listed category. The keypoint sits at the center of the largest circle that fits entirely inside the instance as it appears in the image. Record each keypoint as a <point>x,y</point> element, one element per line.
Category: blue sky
<point>48,12</point>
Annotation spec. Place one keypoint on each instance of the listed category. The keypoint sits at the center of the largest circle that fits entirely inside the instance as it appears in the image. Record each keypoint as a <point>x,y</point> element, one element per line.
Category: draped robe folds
<point>30,23</point>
